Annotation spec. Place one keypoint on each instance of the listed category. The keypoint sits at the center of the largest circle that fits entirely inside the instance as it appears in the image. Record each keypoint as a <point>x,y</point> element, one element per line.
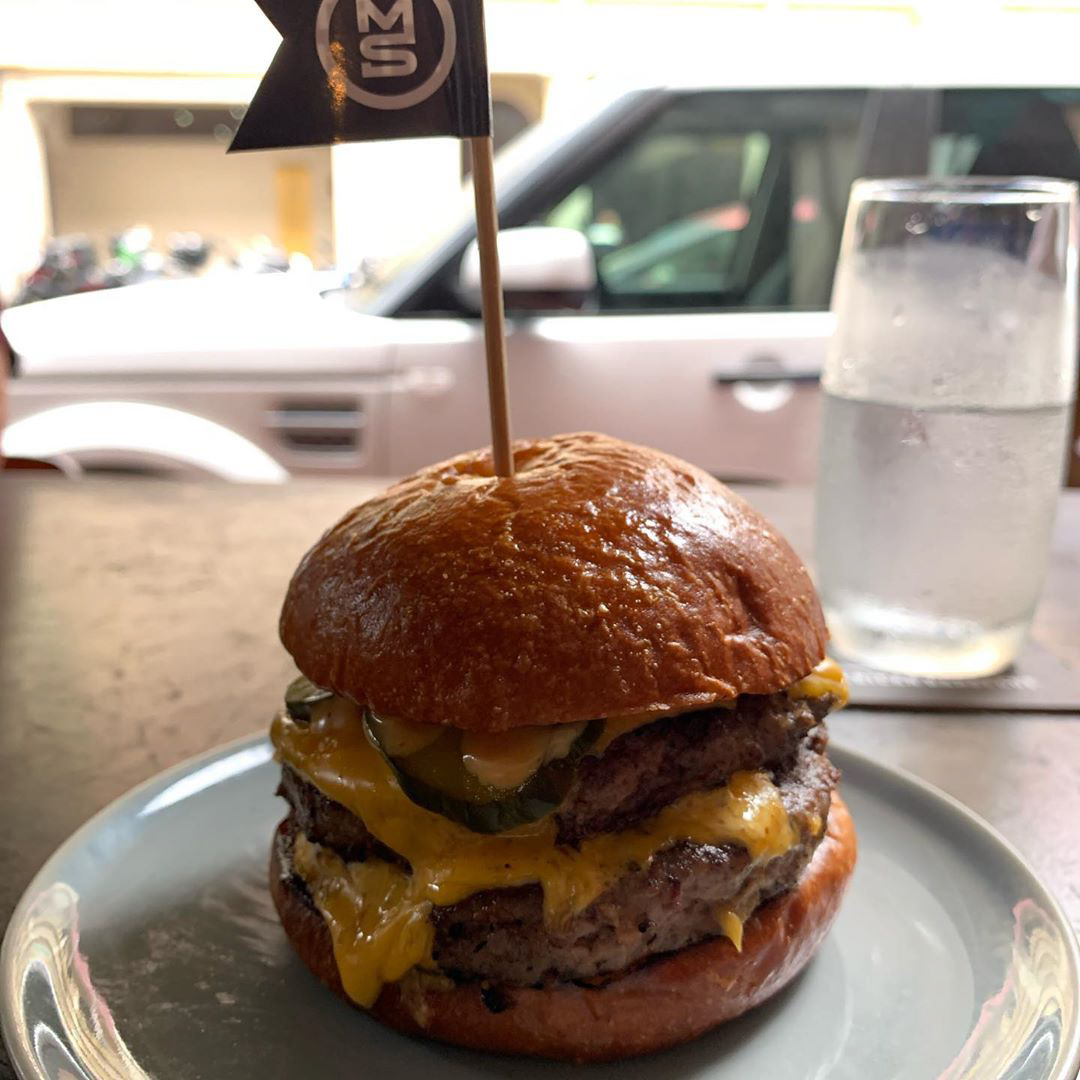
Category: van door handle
<point>763,375</point>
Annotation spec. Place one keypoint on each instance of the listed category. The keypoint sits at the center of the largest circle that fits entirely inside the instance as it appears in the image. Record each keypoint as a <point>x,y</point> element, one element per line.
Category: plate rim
<point>143,792</point>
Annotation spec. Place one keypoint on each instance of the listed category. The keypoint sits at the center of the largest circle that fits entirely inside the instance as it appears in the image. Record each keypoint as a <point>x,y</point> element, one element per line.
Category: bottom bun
<point>663,1002</point>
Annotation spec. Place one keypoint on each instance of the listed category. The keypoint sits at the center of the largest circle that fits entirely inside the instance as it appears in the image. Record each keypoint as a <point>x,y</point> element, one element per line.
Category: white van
<point>667,278</point>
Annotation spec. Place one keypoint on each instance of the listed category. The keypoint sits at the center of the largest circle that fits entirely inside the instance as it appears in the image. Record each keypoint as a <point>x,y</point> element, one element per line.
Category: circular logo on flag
<point>376,66</point>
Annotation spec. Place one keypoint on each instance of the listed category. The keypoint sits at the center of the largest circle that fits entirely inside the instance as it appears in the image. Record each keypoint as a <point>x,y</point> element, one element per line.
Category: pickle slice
<point>436,778</point>
<point>301,695</point>
<point>401,738</point>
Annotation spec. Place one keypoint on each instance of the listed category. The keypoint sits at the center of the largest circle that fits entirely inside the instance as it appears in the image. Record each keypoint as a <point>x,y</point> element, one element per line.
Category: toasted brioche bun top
<point>603,579</point>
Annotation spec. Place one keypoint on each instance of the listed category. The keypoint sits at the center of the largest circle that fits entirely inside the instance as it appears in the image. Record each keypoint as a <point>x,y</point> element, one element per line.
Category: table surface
<point>138,627</point>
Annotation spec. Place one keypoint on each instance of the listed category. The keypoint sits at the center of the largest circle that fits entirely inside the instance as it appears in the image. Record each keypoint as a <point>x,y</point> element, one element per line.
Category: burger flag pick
<point>351,70</point>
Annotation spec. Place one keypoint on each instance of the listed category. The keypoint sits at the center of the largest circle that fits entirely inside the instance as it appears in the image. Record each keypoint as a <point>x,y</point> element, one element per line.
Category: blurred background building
<point>116,113</point>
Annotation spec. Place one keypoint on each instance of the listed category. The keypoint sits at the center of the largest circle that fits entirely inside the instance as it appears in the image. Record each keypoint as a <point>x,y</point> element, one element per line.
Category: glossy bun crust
<point>664,1002</point>
<point>603,579</point>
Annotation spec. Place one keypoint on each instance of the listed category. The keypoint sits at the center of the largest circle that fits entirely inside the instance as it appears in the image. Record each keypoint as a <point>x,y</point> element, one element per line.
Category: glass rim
<point>965,189</point>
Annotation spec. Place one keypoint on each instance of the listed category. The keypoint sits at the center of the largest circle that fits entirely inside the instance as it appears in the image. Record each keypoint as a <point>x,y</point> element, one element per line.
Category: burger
<point>556,763</point>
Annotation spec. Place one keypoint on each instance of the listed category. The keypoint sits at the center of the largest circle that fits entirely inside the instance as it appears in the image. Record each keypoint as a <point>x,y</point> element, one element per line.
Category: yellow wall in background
<point>100,185</point>
<point>294,192</point>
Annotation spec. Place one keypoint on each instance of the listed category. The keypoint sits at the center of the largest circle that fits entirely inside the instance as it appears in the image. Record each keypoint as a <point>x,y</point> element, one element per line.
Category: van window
<point>1008,133</point>
<point>726,200</point>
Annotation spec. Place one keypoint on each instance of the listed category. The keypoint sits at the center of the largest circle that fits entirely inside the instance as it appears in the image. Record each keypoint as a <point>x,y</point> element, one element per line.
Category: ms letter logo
<point>382,57</point>
<point>394,41</point>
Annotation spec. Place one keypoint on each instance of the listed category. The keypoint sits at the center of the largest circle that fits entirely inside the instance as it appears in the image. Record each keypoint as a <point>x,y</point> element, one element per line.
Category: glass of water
<point>947,392</point>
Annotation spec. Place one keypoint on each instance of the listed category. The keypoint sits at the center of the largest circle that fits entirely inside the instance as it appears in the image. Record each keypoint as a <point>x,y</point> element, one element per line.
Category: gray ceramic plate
<point>148,946</point>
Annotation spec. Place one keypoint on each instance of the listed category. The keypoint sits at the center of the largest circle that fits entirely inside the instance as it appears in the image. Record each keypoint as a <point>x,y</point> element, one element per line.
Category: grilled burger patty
<point>501,935</point>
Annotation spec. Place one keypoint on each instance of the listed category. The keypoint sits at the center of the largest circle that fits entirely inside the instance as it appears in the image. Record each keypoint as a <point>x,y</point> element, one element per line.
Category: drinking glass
<point>947,391</point>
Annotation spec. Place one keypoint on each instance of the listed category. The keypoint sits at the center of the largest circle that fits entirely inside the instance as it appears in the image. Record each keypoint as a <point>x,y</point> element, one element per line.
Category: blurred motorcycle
<point>68,265</point>
<point>133,259</point>
<point>187,253</point>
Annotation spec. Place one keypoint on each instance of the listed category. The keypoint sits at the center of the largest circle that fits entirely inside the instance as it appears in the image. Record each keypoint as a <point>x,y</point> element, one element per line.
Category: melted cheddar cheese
<point>732,926</point>
<point>506,759</point>
<point>827,678</point>
<point>379,928</point>
<point>377,913</point>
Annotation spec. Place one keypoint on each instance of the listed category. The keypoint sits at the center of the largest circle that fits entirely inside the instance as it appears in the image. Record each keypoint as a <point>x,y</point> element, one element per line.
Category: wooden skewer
<point>487,231</point>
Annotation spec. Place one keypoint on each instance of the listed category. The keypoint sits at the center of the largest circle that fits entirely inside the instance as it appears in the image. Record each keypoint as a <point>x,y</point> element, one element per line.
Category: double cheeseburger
<point>556,764</point>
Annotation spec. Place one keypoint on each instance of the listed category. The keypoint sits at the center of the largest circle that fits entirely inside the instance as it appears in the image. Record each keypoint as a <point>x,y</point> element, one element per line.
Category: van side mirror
<point>543,269</point>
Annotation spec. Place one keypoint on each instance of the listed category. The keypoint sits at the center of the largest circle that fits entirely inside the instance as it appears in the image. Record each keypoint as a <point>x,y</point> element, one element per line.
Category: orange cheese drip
<point>826,678</point>
<point>732,926</point>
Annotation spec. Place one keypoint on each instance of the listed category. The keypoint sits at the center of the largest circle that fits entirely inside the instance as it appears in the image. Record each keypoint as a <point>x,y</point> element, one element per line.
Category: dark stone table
<point>138,627</point>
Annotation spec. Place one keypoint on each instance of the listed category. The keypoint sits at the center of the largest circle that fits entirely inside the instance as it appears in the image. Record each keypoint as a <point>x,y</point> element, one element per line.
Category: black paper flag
<point>370,69</point>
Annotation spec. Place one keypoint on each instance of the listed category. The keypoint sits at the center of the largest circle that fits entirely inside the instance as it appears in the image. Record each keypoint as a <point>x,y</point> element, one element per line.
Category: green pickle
<point>301,695</point>
<point>435,777</point>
